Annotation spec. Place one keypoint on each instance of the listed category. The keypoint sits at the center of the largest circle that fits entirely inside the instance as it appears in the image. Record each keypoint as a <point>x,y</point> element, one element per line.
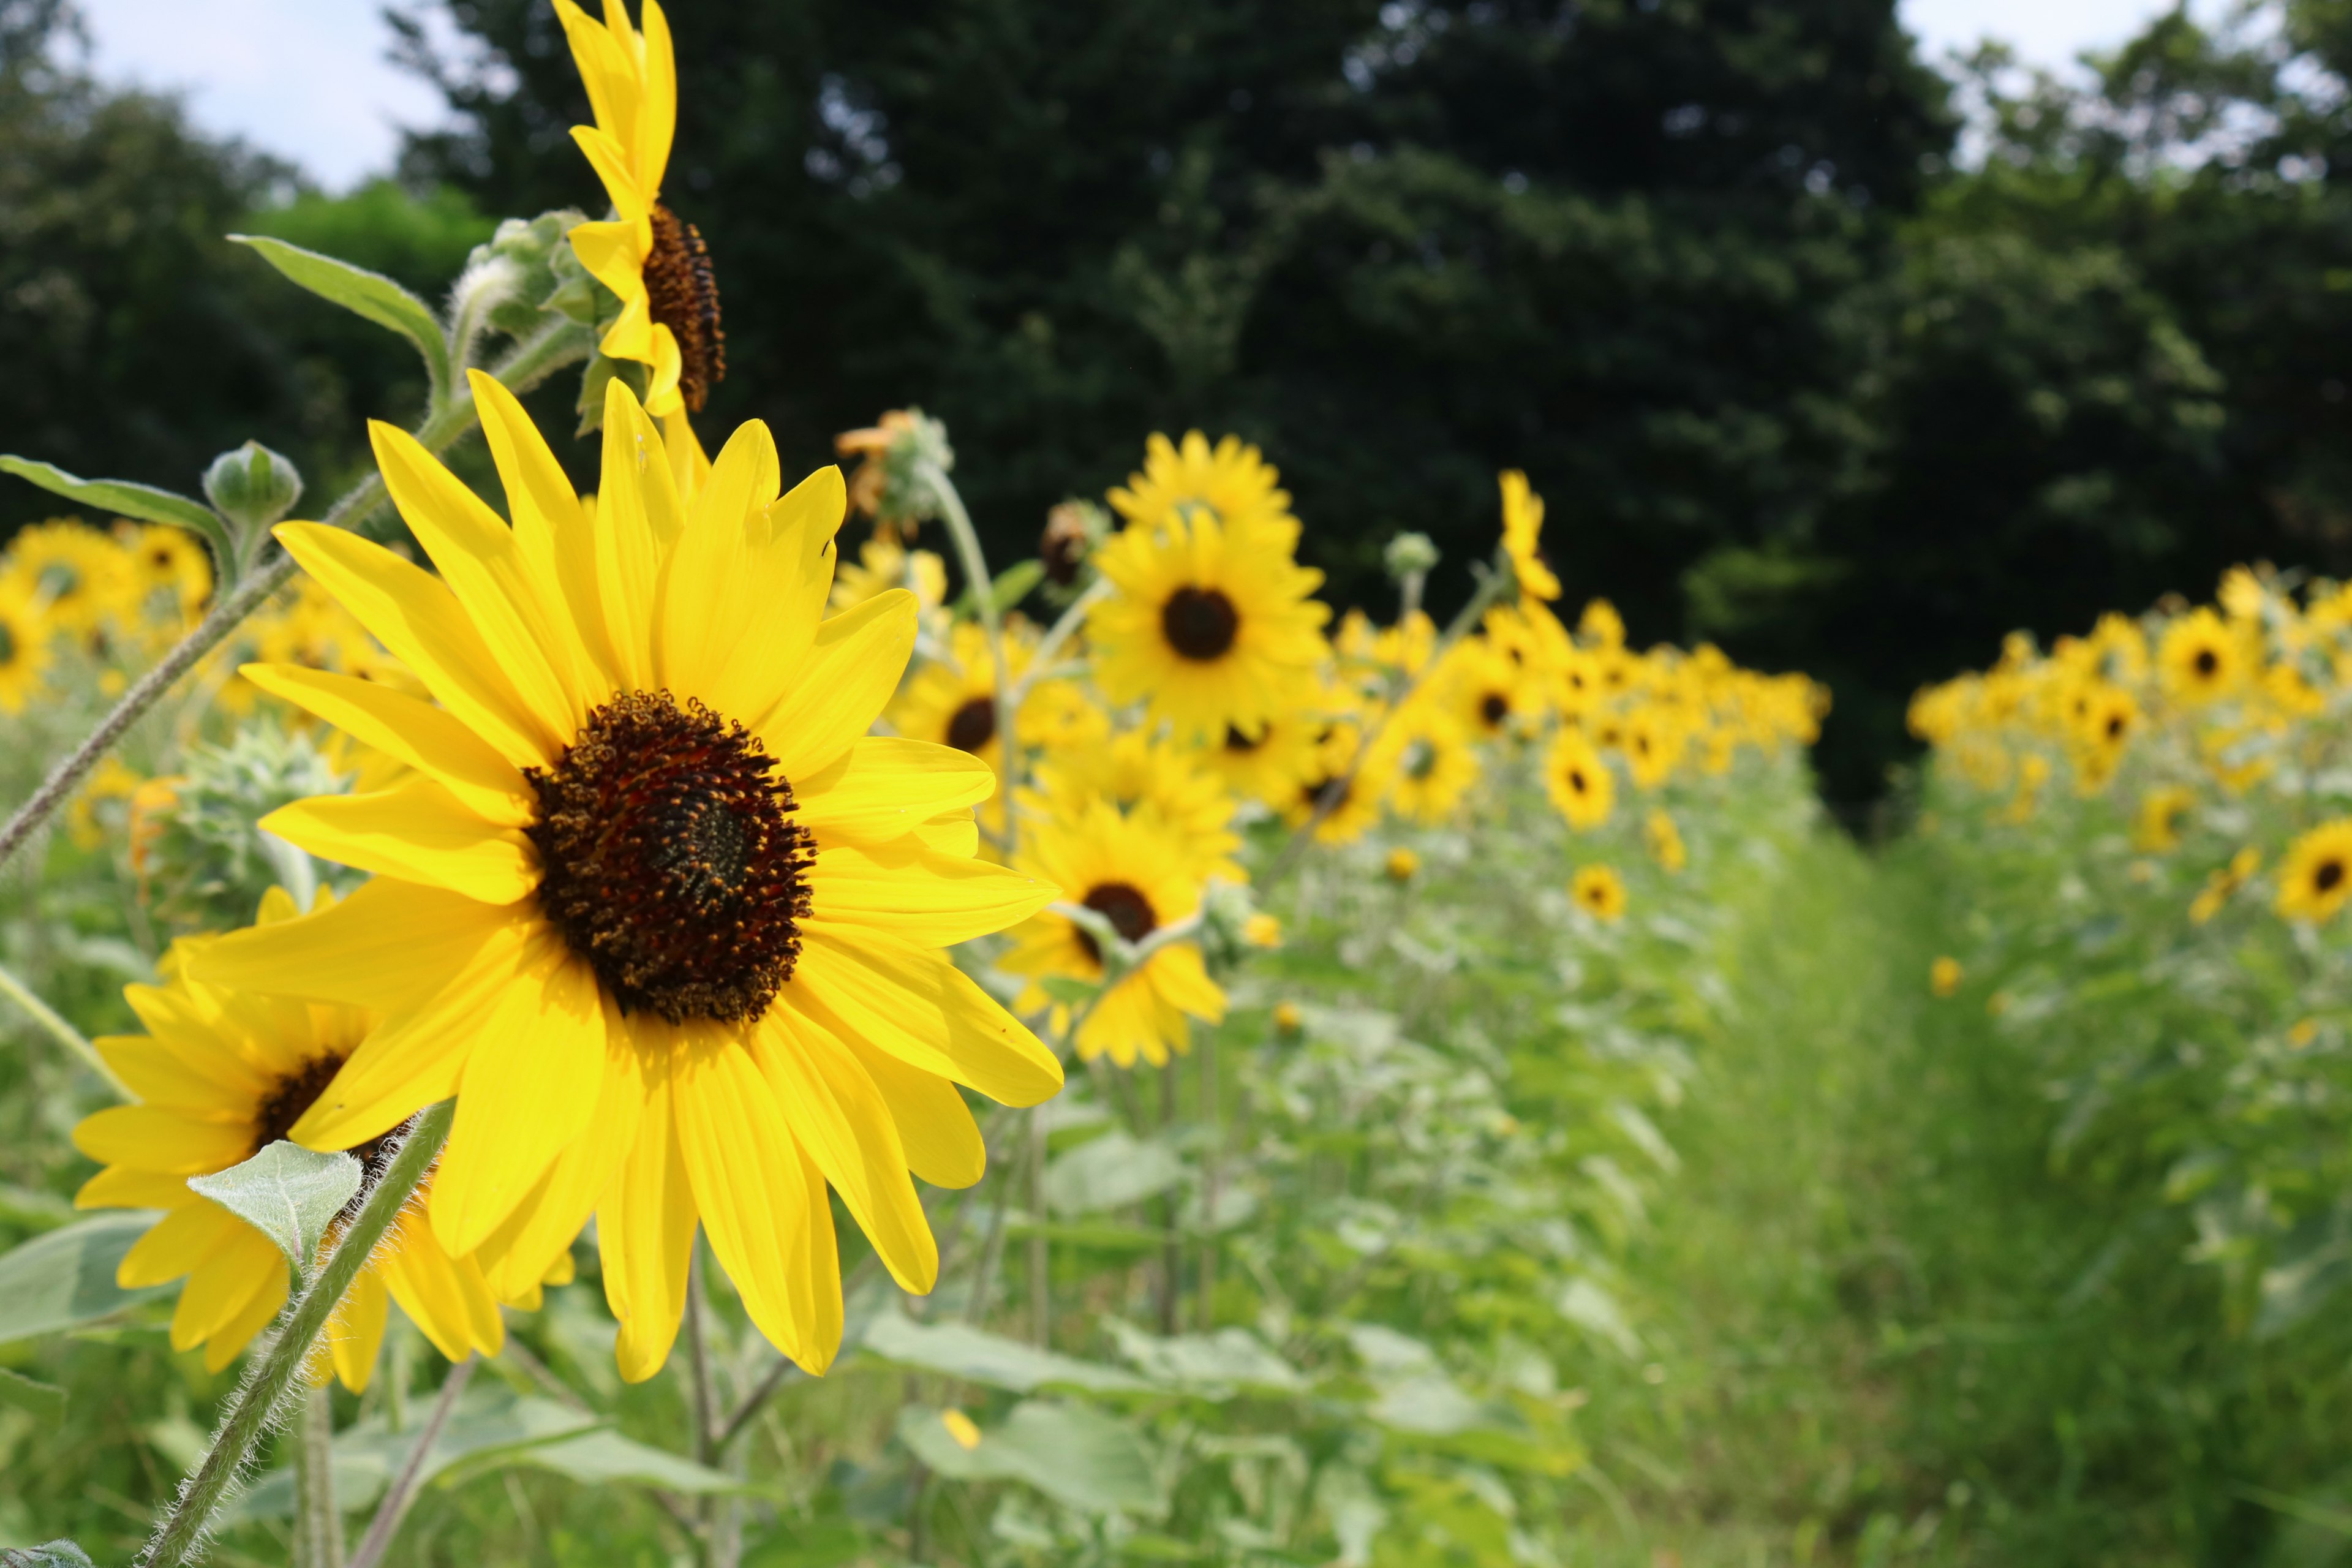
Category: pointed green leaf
<point>288,1192</point>
<point>52,1554</point>
<point>363,293</point>
<point>65,1278</point>
<point>598,1458</point>
<point>124,498</point>
<point>975,1355</point>
<point>1109,1173</point>
<point>45,1400</point>
<point>1075,1455</point>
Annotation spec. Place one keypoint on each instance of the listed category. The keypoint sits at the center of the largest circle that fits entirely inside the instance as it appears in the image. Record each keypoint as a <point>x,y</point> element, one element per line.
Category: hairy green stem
<point>528,365</point>
<point>318,1527</point>
<point>55,1025</point>
<point>992,621</point>
<point>279,1371</point>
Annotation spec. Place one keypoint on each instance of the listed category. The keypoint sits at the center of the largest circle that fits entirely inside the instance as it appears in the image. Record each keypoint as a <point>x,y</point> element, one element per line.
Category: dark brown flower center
<point>2207,662</point>
<point>2114,726</point>
<point>2328,877</point>
<point>1237,742</point>
<point>1199,622</point>
<point>671,861</point>
<point>1062,549</point>
<point>683,295</point>
<point>1123,904</point>
<point>294,1094</point>
<point>973,726</point>
<point>1576,780</point>
<point>1494,707</point>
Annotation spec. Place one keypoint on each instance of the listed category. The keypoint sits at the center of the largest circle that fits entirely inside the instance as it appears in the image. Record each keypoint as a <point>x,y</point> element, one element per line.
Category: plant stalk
<point>1041,1293</point>
<point>55,1025</point>
<point>318,1527</point>
<point>991,622</point>
<point>394,1506</point>
<point>277,1372</point>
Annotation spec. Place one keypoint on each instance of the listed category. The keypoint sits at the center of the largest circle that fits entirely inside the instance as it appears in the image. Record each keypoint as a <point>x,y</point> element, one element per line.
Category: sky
<point>308,79</point>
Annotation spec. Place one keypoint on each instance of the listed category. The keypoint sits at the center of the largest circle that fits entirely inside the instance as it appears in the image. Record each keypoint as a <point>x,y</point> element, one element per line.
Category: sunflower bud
<point>252,487</point>
<point>899,453</point>
<point>1072,530</point>
<point>523,276</point>
<point>1409,555</point>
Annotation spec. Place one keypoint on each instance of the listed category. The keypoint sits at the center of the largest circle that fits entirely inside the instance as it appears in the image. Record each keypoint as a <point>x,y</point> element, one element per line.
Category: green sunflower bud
<point>252,487</point>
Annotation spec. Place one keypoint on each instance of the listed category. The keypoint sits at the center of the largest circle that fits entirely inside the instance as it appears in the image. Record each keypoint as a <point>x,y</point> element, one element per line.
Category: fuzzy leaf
<point>975,1355</point>
<point>363,293</point>
<point>288,1192</point>
<point>51,1554</point>
<point>65,1278</point>
<point>124,498</point>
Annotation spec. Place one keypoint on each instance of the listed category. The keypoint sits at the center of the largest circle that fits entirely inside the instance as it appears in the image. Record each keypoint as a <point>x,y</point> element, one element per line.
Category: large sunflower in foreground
<point>220,1076</point>
<point>654,906</point>
<point>1132,871</point>
<point>1213,628</point>
<point>2316,877</point>
<point>656,263</point>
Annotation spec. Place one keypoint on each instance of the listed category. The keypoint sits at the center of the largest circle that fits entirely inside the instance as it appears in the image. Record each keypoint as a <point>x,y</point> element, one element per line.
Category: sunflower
<point>1488,692</point>
<point>1132,871</point>
<point>1600,892</point>
<point>2199,657</point>
<point>1232,482</point>
<point>883,564</point>
<point>1267,761</point>
<point>2157,829</point>
<point>1359,789</point>
<point>1601,626</point>
<point>1429,762</point>
<point>221,1074</point>
<point>1665,842</point>
<point>1577,780</point>
<point>1653,742</point>
<point>1139,772</point>
<point>78,576</point>
<point>952,701</point>
<point>1213,630</point>
<point>166,562</point>
<point>26,650</point>
<point>2316,877</point>
<point>656,264</point>
<point>1523,518</point>
<point>655,908</point>
<point>1401,864</point>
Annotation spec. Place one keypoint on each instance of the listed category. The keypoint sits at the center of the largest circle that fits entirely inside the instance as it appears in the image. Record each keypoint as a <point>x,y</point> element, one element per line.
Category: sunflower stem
<point>697,1355</point>
<point>1062,631</point>
<point>1492,586</point>
<point>1212,1174</point>
<point>55,1025</point>
<point>394,1506</point>
<point>276,1373</point>
<point>991,622</point>
<point>530,363</point>
<point>1041,1295</point>
<point>318,1528</point>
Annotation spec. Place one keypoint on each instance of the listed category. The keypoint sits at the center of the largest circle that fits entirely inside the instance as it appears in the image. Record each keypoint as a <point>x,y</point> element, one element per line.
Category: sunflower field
<point>689,1018</point>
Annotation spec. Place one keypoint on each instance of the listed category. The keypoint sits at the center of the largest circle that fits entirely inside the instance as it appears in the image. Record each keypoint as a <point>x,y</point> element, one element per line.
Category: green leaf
<point>1011,585</point>
<point>1214,1364</point>
<point>599,1459</point>
<point>363,293</point>
<point>124,498</point>
<point>288,1192</point>
<point>43,1399</point>
<point>491,1427</point>
<point>1109,1173</point>
<point>1067,989</point>
<point>52,1554</point>
<point>975,1355</point>
<point>1078,1456</point>
<point>65,1278</point>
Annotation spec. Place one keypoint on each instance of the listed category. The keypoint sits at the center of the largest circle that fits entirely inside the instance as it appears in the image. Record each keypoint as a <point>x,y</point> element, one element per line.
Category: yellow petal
<point>177,1243</point>
<point>936,1131</point>
<point>391,944</point>
<point>214,1085</point>
<point>658,109</point>
<point>604,155</point>
<point>241,1266</point>
<point>644,1233</point>
<point>551,531</point>
<point>420,620</point>
<point>444,1296</point>
<point>356,1330</point>
<point>614,255</point>
<point>921,1008</point>
<point>885,787</point>
<point>529,1089</point>
<point>842,1123</point>
<point>842,685</point>
<point>707,599</point>
<point>426,738</point>
<point>1178,974</point>
<point>417,1057</point>
<point>121,1187</point>
<point>628,543</point>
<point>749,1186</point>
<point>918,895</point>
<point>154,1138</point>
<point>790,571</point>
<point>417,831</point>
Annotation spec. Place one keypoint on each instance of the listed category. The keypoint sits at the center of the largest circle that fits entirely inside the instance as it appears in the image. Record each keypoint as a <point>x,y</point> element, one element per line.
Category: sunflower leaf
<point>125,499</point>
<point>48,1554</point>
<point>46,1400</point>
<point>363,293</point>
<point>65,1277</point>
<point>288,1192</point>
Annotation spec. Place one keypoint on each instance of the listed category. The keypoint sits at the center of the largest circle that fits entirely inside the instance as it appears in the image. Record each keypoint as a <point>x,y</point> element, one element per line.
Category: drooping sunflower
<point>1428,761</point>
<point>1577,780</point>
<point>78,576</point>
<point>1523,518</point>
<point>1213,630</point>
<point>1130,870</point>
<point>2200,659</point>
<point>653,907</point>
<point>1600,892</point>
<point>221,1074</point>
<point>1232,482</point>
<point>1139,772</point>
<point>26,649</point>
<point>654,261</point>
<point>2316,877</point>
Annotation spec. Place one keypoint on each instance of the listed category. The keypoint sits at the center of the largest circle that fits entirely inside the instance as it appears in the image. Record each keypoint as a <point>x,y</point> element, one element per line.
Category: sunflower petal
<point>790,574</point>
<point>707,599</point>
<point>390,945</point>
<point>426,738</point>
<point>174,1246</point>
<point>941,1141</point>
<point>922,1009</point>
<point>444,1296</point>
<point>158,1138</point>
<point>644,1233</point>
<point>841,1120</point>
<point>355,1332</point>
<point>919,896</point>
<point>885,787</point>
<point>417,831</point>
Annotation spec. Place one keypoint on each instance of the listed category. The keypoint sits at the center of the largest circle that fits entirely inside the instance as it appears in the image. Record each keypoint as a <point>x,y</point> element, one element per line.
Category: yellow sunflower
<point>1577,780</point>
<point>1600,892</point>
<point>1490,694</point>
<point>2200,659</point>
<point>1361,790</point>
<point>1213,630</point>
<point>952,701</point>
<point>653,907</point>
<point>2316,877</point>
<point>2157,829</point>
<point>1267,761</point>
<point>25,645</point>
<point>1523,518</point>
<point>1653,742</point>
<point>1132,871</point>
<point>655,264</point>
<point>884,564</point>
<point>78,576</point>
<point>219,1076</point>
<point>1231,481</point>
<point>1139,772</point>
<point>1429,762</point>
<point>167,563</point>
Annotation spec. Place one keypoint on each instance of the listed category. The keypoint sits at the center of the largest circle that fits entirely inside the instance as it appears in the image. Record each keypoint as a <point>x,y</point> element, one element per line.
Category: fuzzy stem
<point>394,1506</point>
<point>278,1369</point>
<point>983,592</point>
<point>54,1024</point>
<point>530,363</point>
<point>318,1527</point>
